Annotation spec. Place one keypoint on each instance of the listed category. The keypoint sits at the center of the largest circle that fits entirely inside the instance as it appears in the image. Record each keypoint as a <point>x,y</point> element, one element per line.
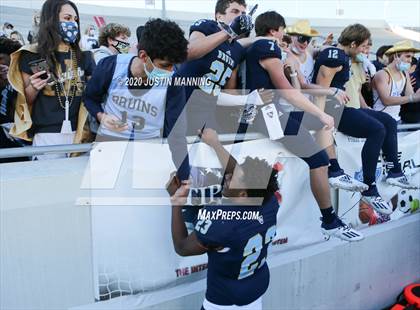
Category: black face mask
<point>121,47</point>
<point>302,39</point>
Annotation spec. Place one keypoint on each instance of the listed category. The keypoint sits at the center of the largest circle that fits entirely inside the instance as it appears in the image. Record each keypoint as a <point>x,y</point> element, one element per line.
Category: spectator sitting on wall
<point>113,40</point>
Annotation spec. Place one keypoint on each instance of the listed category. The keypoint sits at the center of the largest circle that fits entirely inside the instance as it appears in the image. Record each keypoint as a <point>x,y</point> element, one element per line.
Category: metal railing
<point>30,151</point>
<point>82,148</point>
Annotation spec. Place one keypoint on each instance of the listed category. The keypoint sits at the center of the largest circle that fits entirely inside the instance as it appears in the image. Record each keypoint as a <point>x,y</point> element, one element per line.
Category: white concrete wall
<point>46,255</point>
<point>366,275</point>
<point>46,250</point>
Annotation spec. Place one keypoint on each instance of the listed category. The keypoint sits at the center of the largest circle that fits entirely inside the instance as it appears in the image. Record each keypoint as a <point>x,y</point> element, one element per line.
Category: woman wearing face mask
<point>113,40</point>
<point>49,108</point>
<point>391,86</point>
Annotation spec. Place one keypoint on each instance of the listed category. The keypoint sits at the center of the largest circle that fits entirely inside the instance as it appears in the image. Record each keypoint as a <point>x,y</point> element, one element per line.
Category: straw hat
<point>402,46</point>
<point>302,27</point>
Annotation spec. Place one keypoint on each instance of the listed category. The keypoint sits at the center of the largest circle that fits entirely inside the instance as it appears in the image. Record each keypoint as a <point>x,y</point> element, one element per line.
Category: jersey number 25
<point>217,78</point>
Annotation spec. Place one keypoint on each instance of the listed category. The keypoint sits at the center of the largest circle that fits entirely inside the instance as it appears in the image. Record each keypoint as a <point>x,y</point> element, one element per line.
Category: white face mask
<point>157,73</point>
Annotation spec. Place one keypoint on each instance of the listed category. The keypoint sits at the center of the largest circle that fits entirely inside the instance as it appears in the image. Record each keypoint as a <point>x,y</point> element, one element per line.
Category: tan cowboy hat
<point>402,46</point>
<point>302,27</point>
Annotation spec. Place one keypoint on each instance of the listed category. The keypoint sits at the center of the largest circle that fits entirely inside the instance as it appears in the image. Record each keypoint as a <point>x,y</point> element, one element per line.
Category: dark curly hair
<point>164,39</point>
<point>222,5</point>
<point>267,21</point>
<point>260,178</point>
<point>8,46</point>
<point>112,30</point>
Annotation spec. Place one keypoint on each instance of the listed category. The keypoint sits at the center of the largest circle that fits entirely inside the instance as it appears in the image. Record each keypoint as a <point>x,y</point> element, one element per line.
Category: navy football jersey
<point>256,76</point>
<point>334,57</point>
<point>238,273</point>
<point>217,67</point>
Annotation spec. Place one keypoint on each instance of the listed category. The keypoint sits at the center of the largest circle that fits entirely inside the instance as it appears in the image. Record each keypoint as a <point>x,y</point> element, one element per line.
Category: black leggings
<point>380,131</point>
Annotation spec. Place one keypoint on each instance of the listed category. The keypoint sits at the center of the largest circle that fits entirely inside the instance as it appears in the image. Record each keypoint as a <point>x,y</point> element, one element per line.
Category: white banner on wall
<point>132,244</point>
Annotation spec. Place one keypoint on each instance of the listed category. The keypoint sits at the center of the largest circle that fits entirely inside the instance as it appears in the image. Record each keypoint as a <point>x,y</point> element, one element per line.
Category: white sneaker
<point>341,231</point>
<point>378,203</point>
<point>400,180</point>
<point>343,181</point>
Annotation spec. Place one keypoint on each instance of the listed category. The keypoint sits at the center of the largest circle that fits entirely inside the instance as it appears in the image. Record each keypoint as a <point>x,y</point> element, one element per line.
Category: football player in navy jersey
<point>131,96</point>
<point>332,69</point>
<point>237,247</point>
<point>301,57</point>
<point>214,53</point>
<point>265,69</point>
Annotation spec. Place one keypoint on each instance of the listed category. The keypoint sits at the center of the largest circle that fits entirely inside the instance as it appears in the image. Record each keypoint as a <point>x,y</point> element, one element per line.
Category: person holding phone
<point>50,79</point>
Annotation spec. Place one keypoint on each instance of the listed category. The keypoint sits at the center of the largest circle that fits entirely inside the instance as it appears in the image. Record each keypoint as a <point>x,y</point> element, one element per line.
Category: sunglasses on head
<point>302,39</point>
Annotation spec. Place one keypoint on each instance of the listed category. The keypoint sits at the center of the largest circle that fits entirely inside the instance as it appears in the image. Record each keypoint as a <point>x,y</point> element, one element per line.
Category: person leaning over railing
<point>50,79</point>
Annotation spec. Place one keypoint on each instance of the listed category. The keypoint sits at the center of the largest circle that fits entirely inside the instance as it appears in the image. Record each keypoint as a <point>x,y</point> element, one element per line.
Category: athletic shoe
<point>383,218</point>
<point>373,199</point>
<point>340,230</point>
<point>341,180</point>
<point>400,180</point>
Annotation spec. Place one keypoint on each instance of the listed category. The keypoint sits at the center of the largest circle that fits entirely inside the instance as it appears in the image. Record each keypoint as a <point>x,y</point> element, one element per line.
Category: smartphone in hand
<point>123,121</point>
<point>38,66</point>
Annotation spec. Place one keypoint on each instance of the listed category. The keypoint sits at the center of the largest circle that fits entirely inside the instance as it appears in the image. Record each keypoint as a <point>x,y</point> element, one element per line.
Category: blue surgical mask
<point>157,73</point>
<point>69,31</point>
<point>403,66</point>
<point>360,57</point>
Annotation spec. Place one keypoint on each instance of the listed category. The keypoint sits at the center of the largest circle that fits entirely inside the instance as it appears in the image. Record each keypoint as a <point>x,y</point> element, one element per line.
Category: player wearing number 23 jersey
<point>216,69</point>
<point>235,234</point>
<point>238,273</point>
